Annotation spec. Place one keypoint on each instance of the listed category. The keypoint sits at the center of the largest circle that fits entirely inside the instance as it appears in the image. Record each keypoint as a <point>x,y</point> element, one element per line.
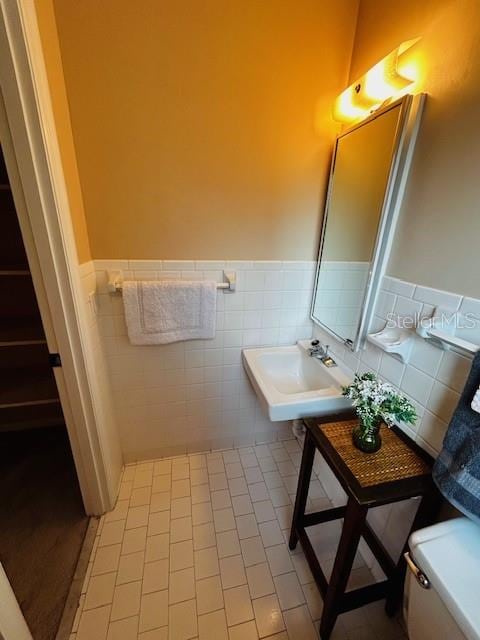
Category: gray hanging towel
<point>457,469</point>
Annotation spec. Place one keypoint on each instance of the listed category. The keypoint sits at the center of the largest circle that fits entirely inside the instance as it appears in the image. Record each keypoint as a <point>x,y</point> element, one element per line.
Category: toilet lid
<point>449,554</point>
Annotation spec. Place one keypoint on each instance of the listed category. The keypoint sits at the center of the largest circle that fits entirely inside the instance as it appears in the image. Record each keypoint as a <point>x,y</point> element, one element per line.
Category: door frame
<point>30,145</point>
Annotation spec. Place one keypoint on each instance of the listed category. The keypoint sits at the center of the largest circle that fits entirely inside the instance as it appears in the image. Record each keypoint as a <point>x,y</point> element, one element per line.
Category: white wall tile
<point>438,298</point>
<point>195,393</point>
<point>402,288</point>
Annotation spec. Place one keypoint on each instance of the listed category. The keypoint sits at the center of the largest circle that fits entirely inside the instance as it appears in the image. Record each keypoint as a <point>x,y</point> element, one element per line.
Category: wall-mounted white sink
<point>290,384</point>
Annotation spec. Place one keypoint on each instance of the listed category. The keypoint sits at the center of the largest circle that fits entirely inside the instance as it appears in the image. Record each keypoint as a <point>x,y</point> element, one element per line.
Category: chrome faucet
<point>317,349</point>
<point>320,351</point>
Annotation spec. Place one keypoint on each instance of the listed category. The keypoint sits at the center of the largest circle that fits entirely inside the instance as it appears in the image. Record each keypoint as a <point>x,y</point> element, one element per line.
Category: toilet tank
<point>448,555</point>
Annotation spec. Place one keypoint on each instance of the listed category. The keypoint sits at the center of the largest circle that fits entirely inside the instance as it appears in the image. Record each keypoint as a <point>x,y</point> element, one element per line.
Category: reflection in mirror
<point>361,173</point>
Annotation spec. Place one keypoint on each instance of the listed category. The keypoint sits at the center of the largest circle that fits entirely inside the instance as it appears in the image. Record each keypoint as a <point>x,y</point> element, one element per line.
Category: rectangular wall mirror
<point>367,178</point>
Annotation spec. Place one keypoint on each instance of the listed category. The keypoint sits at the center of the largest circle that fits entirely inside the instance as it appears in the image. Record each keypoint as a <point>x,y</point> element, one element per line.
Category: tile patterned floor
<point>196,548</point>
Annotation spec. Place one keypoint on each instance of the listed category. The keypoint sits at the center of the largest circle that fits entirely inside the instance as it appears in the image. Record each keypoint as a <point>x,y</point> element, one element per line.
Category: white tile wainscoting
<point>433,379</point>
<point>194,396</point>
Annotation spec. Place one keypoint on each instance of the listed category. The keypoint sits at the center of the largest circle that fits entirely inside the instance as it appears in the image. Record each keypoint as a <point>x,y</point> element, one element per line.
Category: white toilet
<point>442,590</point>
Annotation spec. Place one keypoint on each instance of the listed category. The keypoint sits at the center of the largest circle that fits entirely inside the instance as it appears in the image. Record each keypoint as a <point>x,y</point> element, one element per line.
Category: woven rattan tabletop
<point>394,461</point>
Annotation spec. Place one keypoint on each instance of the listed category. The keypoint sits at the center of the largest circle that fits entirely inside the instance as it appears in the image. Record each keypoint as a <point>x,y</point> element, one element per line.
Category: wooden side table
<point>399,470</point>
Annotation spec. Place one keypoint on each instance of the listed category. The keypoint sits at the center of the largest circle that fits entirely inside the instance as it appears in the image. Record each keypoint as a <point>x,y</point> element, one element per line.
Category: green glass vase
<point>366,435</point>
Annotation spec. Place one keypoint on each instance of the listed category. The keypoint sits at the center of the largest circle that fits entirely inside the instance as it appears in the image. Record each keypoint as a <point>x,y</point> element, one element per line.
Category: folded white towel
<point>169,311</point>
<point>476,401</point>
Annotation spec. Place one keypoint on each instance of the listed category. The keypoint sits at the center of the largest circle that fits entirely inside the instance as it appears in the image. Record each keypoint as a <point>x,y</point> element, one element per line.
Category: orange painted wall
<point>53,61</point>
<point>194,122</point>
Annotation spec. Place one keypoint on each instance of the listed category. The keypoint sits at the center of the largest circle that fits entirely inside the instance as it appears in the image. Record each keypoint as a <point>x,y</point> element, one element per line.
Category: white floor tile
<point>200,493</point>
<point>180,471</point>
<point>246,526</point>
<point>230,456</point>
<point>268,616</point>
<point>181,586</point>
<point>284,516</point>
<point>94,624</point>
<point>130,567</point>
<point>182,620</point>
<point>198,477</point>
<point>264,511</point>
<point>314,600</point>
<point>160,501</point>
<point>234,470</point>
<point>182,556</point>
<point>221,499</point>
<point>253,551</point>
<point>212,626</point>
<point>203,536</point>
<point>123,629</point>
<point>161,483</point>
<point>206,563</point>
<point>245,631</point>
<point>267,464</point>
<point>258,491</point>
<point>238,605</point>
<point>140,497</point>
<point>157,547</point>
<point>100,591</point>
<point>155,576</point>
<point>271,533</point>
<point>260,580</point>
<point>106,559</point>
<point>228,543</point>
<point>162,467</point>
<point>232,572</point>
<point>209,595</point>
<point>134,540</point>
<point>126,601</point>
<point>202,513</point>
<point>180,488</point>
<point>181,508</point>
<point>158,523</point>
<point>112,533</point>
<point>301,568</point>
<point>181,529</point>
<point>238,486</point>
<point>299,624</point>
<point>253,475</point>
<point>279,559</point>
<point>153,610</point>
<point>273,480</point>
<point>224,520</point>
<point>218,482</point>
<point>121,508</point>
<point>289,591</point>
<point>279,497</point>
<point>198,461</point>
<point>215,466</point>
<point>242,505</point>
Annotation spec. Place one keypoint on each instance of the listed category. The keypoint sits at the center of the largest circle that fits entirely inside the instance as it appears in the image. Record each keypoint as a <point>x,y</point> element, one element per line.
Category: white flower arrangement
<point>377,401</point>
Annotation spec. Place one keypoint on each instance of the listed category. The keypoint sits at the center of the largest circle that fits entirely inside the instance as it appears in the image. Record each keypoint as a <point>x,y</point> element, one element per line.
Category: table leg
<point>303,486</point>
<point>353,523</point>
<point>425,516</point>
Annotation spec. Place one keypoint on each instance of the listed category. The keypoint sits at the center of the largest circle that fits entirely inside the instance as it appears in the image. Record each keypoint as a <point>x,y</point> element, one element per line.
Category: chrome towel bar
<point>115,281</point>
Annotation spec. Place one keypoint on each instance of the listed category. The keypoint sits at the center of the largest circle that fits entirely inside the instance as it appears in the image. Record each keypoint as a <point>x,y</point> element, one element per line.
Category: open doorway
<point>43,521</point>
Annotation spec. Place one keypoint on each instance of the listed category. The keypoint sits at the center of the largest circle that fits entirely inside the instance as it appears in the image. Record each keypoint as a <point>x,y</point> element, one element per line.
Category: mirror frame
<point>411,108</point>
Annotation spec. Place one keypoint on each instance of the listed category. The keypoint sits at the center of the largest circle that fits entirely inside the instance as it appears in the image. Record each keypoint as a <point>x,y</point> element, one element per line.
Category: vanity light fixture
<point>388,79</point>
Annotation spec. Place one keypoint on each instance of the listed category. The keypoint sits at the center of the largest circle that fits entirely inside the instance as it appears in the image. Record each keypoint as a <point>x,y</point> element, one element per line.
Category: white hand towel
<point>169,311</point>
<point>476,401</point>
